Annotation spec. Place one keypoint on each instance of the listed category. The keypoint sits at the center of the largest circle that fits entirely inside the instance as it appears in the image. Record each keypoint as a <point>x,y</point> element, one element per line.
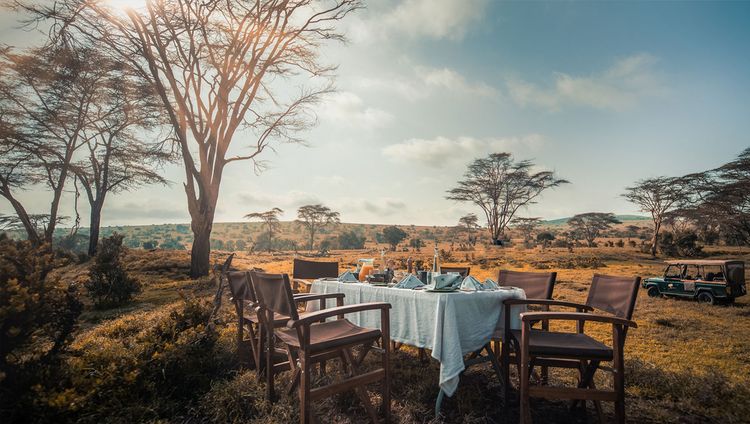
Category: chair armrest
<point>304,297</point>
<point>575,316</point>
<point>549,302</point>
<point>339,310</point>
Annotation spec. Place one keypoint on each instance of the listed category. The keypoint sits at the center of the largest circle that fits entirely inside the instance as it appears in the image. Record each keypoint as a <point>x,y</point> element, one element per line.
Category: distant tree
<point>416,243</point>
<point>526,226</point>
<point>315,217</point>
<point>393,235</point>
<point>240,244</point>
<point>590,225</point>
<point>270,219</point>
<point>657,196</point>
<point>217,244</point>
<point>470,223</point>
<point>718,198</point>
<point>500,186</point>
<point>351,240</point>
<point>229,245</point>
<point>149,245</point>
<point>632,230</point>
<point>545,238</point>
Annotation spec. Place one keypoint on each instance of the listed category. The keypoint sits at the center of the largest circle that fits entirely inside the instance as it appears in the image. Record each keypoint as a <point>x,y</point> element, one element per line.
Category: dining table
<point>449,324</point>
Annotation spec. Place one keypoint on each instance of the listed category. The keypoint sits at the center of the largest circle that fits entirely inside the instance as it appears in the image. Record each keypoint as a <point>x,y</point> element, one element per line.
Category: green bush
<point>351,240</point>
<point>37,317</point>
<point>109,285</point>
<point>143,367</point>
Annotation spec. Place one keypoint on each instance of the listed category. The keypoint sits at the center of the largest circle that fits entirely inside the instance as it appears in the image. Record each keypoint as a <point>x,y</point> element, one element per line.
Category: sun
<point>128,4</point>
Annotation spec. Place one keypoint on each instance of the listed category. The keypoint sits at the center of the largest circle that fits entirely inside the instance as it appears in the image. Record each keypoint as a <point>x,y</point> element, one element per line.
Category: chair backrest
<point>614,294</point>
<point>274,293</point>
<point>536,285</point>
<point>463,270</point>
<point>239,286</point>
<point>310,270</point>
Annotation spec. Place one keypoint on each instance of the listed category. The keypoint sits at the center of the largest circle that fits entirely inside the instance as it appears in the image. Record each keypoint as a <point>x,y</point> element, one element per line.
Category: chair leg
<point>524,407</point>
<point>505,360</point>
<point>386,364</point>
<point>360,390</point>
<point>270,395</point>
<point>305,413</point>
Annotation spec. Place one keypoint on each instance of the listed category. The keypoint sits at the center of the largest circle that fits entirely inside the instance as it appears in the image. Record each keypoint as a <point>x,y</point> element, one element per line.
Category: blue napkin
<point>446,281</point>
<point>490,284</point>
<point>409,282</point>
<point>348,277</point>
<point>471,283</point>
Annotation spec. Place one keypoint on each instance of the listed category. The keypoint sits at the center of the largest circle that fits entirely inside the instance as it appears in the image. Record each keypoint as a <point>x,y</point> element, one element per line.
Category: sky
<point>601,93</point>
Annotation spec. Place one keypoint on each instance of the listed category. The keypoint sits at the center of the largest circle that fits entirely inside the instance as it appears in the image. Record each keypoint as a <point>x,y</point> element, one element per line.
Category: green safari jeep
<point>708,281</point>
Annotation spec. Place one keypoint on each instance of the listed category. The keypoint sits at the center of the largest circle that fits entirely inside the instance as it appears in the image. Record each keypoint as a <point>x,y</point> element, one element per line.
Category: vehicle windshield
<point>673,271</point>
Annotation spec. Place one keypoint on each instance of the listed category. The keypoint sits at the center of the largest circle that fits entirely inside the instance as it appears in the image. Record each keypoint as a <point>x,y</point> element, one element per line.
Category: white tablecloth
<point>450,324</point>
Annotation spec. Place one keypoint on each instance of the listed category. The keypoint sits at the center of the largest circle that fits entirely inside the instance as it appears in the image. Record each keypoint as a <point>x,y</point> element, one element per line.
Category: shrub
<point>37,317</point>
<point>109,285</point>
<point>143,367</point>
<point>351,240</point>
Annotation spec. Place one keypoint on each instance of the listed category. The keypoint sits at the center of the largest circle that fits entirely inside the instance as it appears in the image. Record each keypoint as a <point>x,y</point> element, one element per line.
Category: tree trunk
<point>95,224</point>
<point>201,251</point>
<point>655,240</point>
<point>31,233</point>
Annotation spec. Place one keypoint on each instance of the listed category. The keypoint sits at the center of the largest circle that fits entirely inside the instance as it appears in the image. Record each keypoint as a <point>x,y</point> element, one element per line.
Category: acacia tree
<point>270,219</point>
<point>526,226</point>
<point>393,235</point>
<point>657,196</point>
<point>470,222</point>
<point>500,186</point>
<point>315,217</point>
<point>219,67</point>
<point>46,95</point>
<point>591,224</point>
<point>718,198</point>
<point>119,157</point>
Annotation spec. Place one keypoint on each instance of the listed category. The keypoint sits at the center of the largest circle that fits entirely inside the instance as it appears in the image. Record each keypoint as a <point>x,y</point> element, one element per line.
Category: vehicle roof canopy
<point>704,262</point>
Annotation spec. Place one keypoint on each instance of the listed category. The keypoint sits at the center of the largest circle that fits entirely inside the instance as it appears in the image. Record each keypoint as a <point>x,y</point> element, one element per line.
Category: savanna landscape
<point>153,150</point>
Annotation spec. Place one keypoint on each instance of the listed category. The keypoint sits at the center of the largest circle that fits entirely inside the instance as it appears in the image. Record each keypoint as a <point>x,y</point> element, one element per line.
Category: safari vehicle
<point>708,281</point>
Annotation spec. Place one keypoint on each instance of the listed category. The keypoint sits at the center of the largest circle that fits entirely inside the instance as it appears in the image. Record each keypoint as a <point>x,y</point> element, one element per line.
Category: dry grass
<point>686,362</point>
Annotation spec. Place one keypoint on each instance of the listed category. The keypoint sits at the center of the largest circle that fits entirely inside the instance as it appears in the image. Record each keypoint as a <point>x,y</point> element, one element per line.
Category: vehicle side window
<point>713,273</point>
<point>673,271</point>
<point>692,273</point>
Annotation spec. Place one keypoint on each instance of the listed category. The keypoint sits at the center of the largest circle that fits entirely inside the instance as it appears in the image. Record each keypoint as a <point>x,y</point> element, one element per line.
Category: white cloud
<point>620,87</point>
<point>424,81</point>
<point>441,150</point>
<point>433,19</point>
<point>348,109</point>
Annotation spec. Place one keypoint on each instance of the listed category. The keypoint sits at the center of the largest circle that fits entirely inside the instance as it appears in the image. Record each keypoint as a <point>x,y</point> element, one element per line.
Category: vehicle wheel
<point>706,297</point>
<point>653,291</point>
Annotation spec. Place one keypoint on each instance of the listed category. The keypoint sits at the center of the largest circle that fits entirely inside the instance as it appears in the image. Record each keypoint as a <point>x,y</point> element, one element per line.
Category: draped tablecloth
<point>450,324</point>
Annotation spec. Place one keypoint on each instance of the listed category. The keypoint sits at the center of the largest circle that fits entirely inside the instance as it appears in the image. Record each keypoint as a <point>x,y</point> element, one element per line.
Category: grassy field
<point>686,362</point>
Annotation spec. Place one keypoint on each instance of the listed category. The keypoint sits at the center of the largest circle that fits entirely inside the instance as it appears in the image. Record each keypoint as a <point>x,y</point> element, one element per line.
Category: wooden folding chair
<point>247,322</point>
<point>613,295</point>
<point>310,339</point>
<point>463,270</point>
<point>537,286</point>
<point>303,272</point>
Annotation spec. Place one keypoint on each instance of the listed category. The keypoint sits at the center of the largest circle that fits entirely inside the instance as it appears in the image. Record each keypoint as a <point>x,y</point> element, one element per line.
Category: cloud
<point>415,19</point>
<point>288,201</point>
<point>347,108</point>
<point>449,79</point>
<point>435,19</point>
<point>619,87</point>
<point>441,150</point>
<point>424,81</point>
